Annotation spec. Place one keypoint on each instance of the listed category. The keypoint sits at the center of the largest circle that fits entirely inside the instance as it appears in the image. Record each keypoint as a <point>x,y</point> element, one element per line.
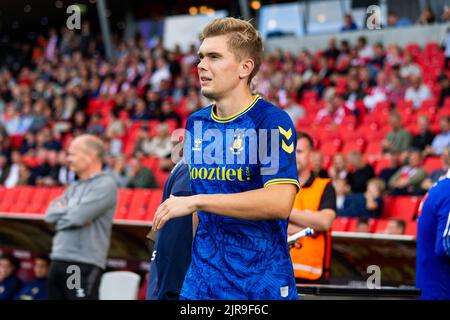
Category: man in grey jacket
<point>82,217</point>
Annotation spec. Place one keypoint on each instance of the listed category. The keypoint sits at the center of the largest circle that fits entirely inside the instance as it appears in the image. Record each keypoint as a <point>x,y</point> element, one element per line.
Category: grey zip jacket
<point>83,218</point>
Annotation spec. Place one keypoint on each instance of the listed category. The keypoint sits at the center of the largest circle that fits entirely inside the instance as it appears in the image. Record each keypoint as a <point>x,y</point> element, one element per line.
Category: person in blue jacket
<point>36,289</point>
<point>10,284</point>
<point>433,243</point>
<point>173,244</point>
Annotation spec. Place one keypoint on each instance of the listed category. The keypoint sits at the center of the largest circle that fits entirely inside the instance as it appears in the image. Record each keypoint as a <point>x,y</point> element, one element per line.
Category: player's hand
<point>173,207</point>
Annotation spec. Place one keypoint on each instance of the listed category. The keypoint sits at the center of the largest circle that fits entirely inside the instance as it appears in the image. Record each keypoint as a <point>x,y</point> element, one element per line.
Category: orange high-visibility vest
<point>311,260</point>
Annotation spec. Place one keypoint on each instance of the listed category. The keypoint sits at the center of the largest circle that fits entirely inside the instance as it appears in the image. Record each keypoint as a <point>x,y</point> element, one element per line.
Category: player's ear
<point>247,66</point>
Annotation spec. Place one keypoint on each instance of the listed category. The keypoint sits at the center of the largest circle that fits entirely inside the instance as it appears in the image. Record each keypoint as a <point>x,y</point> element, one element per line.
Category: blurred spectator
<point>395,226</point>
<point>354,93</point>
<point>142,142</point>
<point>4,169</point>
<point>363,225</point>
<point>47,173</point>
<point>408,178</point>
<point>160,145</point>
<point>160,74</point>
<point>24,176</point>
<point>394,21</point>
<point>349,24</point>
<point>14,171</point>
<point>361,173</point>
<point>427,16</point>
<point>293,109</point>
<point>442,140</point>
<point>139,176</point>
<point>396,90</point>
<point>368,204</point>
<point>378,93</point>
<point>424,138</point>
<point>36,289</point>
<point>339,168</point>
<point>332,51</point>
<point>10,284</point>
<point>140,112</point>
<point>118,169</point>
<point>334,109</point>
<point>28,143</point>
<point>95,126</point>
<point>398,139</point>
<point>365,51</point>
<point>65,175</point>
<point>168,113</point>
<point>409,68</point>
<point>342,190</point>
<point>417,92</point>
<point>317,162</point>
<point>387,173</point>
<point>444,84</point>
<point>438,174</point>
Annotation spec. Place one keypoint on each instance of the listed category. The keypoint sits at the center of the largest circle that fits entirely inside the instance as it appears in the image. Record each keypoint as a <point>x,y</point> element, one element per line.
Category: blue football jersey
<point>433,243</point>
<point>236,258</point>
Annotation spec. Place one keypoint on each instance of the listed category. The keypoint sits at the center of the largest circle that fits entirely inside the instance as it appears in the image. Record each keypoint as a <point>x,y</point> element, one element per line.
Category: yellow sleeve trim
<point>282,181</point>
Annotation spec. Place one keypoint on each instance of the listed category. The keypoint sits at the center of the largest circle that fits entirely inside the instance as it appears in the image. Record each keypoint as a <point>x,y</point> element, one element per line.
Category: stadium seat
<point>353,145</point>
<point>23,197</point>
<point>432,163</point>
<point>155,201</point>
<point>330,148</point>
<point>401,206</point>
<point>11,196</point>
<point>382,163</point>
<point>139,204</point>
<point>411,228</point>
<point>379,225</point>
<point>340,224</point>
<point>123,203</point>
<point>39,200</point>
<point>119,285</point>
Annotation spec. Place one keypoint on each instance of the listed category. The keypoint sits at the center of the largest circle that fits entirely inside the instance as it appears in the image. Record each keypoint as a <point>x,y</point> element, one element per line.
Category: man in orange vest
<point>314,207</point>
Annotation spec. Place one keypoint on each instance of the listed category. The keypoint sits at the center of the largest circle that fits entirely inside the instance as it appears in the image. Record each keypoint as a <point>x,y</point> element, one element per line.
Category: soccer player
<point>433,243</point>
<point>243,194</point>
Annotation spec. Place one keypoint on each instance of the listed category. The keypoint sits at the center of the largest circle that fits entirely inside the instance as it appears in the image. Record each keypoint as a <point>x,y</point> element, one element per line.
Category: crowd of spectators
<point>133,104</point>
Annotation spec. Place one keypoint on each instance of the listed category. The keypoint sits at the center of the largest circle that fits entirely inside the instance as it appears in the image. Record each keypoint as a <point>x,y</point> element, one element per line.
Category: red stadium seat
<point>161,177</point>
<point>139,204</point>
<point>155,201</point>
<point>401,206</point>
<point>432,163</point>
<point>411,228</point>
<point>123,203</point>
<point>374,149</point>
<point>24,196</point>
<point>353,145</point>
<point>382,163</point>
<point>330,148</point>
<point>11,196</point>
<point>39,200</point>
<point>379,225</point>
<point>340,224</point>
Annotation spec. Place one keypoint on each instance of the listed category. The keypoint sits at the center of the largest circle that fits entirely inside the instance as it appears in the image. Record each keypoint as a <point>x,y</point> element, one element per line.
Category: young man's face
<point>218,69</point>
<point>40,268</point>
<point>6,269</point>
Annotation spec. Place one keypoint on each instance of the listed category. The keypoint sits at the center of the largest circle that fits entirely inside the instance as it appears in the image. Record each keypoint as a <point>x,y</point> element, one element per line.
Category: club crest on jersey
<point>237,147</point>
<point>197,144</point>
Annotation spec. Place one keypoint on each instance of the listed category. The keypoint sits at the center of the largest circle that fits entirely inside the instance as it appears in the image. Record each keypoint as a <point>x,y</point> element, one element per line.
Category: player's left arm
<point>442,245</point>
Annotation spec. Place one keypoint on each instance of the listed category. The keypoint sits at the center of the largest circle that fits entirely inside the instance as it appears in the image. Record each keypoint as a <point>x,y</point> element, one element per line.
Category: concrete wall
<point>401,36</point>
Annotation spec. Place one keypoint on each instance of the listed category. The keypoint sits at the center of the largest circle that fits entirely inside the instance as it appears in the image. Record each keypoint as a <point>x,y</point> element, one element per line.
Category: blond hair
<point>244,41</point>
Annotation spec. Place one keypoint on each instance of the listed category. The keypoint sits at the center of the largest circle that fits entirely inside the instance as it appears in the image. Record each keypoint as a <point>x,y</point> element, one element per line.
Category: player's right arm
<point>442,245</point>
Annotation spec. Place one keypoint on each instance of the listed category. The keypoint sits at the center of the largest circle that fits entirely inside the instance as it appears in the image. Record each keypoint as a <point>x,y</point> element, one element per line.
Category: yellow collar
<point>237,114</point>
